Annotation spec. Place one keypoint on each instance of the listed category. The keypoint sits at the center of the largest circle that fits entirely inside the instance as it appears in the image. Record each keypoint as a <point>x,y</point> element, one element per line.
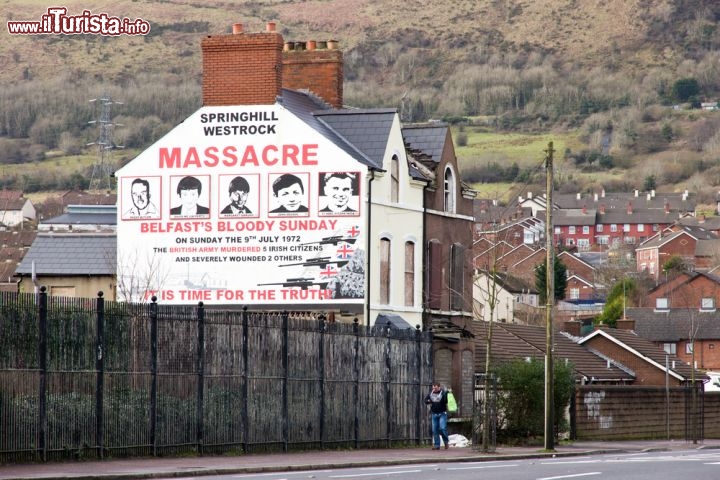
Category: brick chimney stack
<point>315,69</point>
<point>252,68</point>
<point>242,68</point>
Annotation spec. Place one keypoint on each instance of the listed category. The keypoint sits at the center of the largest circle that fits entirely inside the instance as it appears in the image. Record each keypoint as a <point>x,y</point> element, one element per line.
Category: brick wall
<point>251,69</point>
<point>241,69</point>
<point>320,71</point>
<point>626,413</point>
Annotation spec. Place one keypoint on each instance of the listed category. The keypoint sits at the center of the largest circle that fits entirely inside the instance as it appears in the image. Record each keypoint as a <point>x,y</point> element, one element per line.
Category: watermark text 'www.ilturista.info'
<point>57,21</point>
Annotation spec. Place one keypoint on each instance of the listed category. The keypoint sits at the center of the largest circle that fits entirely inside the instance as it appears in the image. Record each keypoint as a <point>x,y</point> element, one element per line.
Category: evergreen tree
<point>560,280</point>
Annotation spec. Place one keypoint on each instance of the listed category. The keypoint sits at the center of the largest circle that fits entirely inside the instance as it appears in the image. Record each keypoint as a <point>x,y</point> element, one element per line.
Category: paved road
<point>138,468</point>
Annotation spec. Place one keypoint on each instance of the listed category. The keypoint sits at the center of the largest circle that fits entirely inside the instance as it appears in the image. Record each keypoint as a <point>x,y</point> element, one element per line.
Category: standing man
<point>437,399</point>
<point>140,195</point>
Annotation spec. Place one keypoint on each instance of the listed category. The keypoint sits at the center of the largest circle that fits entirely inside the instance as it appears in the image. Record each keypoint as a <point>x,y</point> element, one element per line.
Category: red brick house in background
<point>670,330</point>
<point>485,257</point>
<point>574,228</point>
<point>696,290</point>
<point>618,218</point>
<point>652,255</point>
<point>646,360</point>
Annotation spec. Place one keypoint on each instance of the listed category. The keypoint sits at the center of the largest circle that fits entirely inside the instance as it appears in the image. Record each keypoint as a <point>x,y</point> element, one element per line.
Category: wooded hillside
<point>605,70</point>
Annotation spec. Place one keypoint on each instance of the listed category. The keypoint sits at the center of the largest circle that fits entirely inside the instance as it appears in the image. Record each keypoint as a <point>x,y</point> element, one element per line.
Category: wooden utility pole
<point>549,300</point>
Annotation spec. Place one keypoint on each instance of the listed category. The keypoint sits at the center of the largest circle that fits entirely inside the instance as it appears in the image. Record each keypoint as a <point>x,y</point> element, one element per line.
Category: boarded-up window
<point>409,274</point>
<point>457,285</point>
<point>394,179</point>
<point>385,271</point>
<point>435,275</point>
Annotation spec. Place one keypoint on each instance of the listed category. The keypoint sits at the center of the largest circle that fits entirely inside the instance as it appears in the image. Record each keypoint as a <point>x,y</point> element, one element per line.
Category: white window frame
<point>707,304</point>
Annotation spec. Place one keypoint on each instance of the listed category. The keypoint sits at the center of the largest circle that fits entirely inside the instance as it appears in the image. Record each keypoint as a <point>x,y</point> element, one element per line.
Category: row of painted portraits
<point>288,195</point>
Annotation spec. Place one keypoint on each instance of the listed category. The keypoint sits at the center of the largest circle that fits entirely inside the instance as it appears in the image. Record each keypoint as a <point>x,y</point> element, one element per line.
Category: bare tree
<point>140,276</point>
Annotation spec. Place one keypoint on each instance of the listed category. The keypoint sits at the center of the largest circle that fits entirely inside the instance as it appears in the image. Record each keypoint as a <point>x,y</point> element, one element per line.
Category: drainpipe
<point>367,249</point>
<point>425,296</point>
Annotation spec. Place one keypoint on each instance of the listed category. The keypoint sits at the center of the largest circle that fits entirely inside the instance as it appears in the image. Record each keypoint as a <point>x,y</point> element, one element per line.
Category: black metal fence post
<point>153,374</point>
<point>388,386</point>
<point>100,374</point>
<point>285,407</point>
<point>321,376</point>
<point>356,387</point>
<point>200,407</point>
<point>42,365</point>
<point>419,404</point>
<point>246,374</point>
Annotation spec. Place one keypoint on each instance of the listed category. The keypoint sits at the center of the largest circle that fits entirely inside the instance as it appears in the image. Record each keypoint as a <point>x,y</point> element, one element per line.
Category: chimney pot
<point>311,44</point>
<point>237,28</point>
<point>332,44</point>
<point>270,27</point>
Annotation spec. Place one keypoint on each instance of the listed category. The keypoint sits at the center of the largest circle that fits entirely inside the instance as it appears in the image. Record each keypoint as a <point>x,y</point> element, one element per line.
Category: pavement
<point>166,467</point>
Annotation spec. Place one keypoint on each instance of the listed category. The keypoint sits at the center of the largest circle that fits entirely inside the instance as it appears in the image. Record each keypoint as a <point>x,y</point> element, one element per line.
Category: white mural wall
<point>242,204</point>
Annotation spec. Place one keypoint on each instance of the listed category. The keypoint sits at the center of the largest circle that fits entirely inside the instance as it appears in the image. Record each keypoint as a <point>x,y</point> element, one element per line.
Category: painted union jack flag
<point>344,252</point>
<point>354,231</point>
<point>328,272</point>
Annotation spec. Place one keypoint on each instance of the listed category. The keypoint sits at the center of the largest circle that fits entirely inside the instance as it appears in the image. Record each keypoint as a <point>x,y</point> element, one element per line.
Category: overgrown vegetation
<point>521,402</point>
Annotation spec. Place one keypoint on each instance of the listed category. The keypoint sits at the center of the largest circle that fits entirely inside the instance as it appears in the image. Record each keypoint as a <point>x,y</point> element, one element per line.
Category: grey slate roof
<point>675,324</point>
<point>311,110</point>
<point>70,254</point>
<point>514,341</point>
<point>707,248</point>
<point>429,139</point>
<point>644,348</point>
<point>367,130</point>
<point>574,216</point>
<point>83,219</point>
<point>619,201</point>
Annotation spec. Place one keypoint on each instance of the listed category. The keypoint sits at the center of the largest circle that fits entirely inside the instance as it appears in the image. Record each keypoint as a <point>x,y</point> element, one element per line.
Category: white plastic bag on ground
<point>457,440</point>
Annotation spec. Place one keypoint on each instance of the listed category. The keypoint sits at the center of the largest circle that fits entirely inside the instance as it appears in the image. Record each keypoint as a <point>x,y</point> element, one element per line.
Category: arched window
<point>449,189</point>
<point>409,274</point>
<point>384,271</point>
